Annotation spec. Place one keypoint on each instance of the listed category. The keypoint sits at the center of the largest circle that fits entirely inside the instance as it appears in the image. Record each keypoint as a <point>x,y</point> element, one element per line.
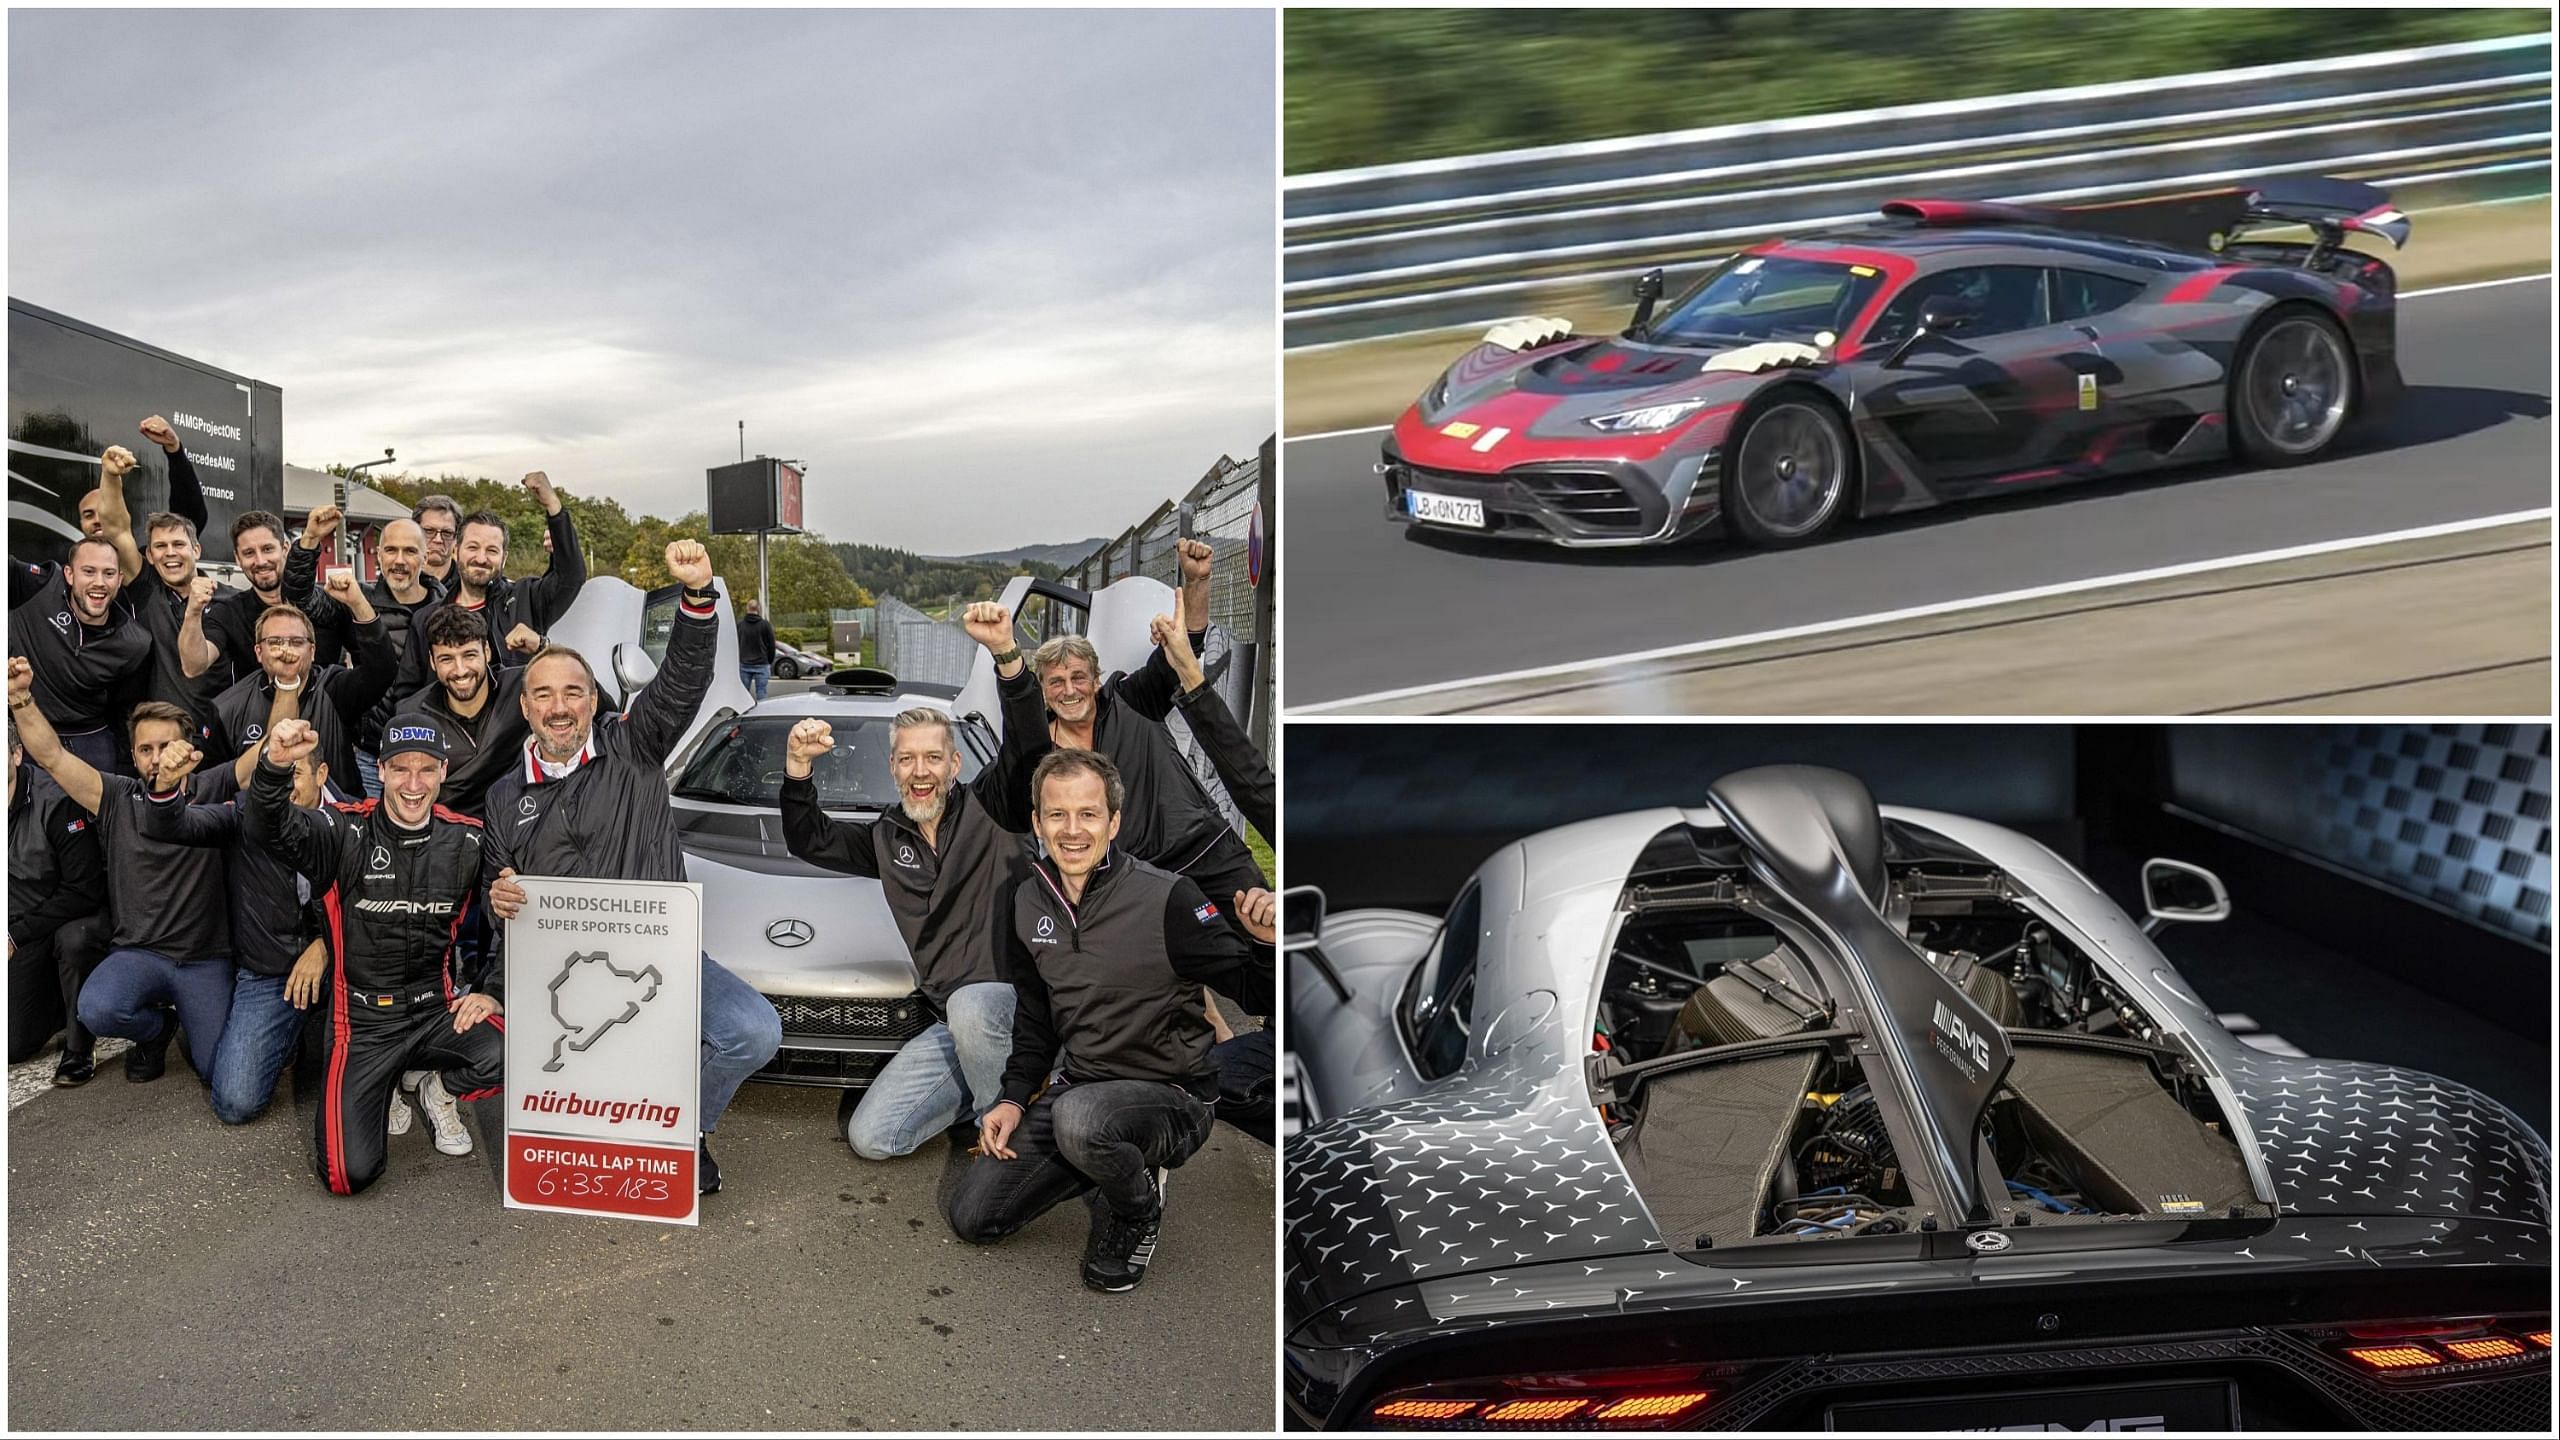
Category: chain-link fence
<point>1232,507</point>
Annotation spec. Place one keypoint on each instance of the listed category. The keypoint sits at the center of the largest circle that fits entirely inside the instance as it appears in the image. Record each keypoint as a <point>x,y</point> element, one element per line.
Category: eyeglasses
<point>285,642</point>
<point>436,532</point>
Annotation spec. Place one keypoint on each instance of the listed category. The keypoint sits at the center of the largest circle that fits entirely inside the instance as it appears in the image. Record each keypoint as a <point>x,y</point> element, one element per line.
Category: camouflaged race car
<point>1953,349</point>
<point>1793,1112</point>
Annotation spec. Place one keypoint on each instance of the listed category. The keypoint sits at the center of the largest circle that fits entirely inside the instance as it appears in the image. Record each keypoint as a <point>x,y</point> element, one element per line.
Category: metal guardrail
<point>1400,248</point>
<point>1220,509</point>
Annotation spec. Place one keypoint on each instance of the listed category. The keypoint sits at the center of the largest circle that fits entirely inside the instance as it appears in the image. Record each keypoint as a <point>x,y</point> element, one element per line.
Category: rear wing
<point>2202,220</point>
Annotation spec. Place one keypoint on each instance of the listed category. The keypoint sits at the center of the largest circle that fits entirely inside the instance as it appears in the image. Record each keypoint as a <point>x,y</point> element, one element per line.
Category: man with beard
<point>394,875</point>
<point>275,938</point>
<point>400,550</point>
<point>439,523</point>
<point>57,916</point>
<point>478,708</point>
<point>519,612</point>
<point>1107,955</point>
<point>65,620</point>
<point>172,938</point>
<point>946,859</point>
<point>257,546</point>
<point>291,683</point>
<point>589,798</point>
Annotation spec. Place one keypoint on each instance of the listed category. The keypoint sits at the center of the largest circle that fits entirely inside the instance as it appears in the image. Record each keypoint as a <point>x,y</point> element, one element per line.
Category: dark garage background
<point>2391,884</point>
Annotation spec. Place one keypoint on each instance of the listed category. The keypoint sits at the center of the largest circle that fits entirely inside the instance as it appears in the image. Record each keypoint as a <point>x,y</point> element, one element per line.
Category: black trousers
<point>45,977</point>
<point>363,1055</point>
<point>1100,1135</point>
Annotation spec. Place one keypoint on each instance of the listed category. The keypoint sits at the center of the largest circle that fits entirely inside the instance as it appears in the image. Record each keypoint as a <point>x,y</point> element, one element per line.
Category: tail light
<point>2445,1349</point>
<point>1652,1399</point>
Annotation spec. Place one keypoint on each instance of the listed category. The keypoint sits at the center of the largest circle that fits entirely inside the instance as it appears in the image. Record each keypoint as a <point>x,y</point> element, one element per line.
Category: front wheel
<point>785,670</point>
<point>2291,390</point>
<point>1787,478</point>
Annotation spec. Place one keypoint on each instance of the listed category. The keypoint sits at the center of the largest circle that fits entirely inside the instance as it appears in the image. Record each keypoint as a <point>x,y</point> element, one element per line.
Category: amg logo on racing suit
<point>1959,1042</point>
<point>406,907</point>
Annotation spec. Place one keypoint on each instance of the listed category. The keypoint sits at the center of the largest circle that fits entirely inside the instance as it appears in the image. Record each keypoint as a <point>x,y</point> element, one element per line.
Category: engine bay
<point>1706,1010</point>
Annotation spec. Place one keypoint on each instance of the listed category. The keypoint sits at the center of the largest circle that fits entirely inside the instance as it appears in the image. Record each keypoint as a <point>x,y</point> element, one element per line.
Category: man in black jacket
<point>292,682</point>
<point>947,857</point>
<point>397,596</point>
<point>478,707</point>
<point>589,798</point>
<point>57,916</point>
<point>83,646</point>
<point>172,936</point>
<point>755,648</point>
<point>519,612</point>
<point>1108,955</point>
<point>231,621</point>
<point>393,875</point>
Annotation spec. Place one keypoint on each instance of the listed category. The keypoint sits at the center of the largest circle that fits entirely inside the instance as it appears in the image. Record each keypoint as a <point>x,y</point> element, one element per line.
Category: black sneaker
<point>706,1170</point>
<point>149,1060</point>
<point>1116,1254</point>
<point>74,1070</point>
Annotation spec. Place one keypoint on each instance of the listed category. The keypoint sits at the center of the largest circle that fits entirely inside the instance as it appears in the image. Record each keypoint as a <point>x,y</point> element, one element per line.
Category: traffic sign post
<point>604,1048</point>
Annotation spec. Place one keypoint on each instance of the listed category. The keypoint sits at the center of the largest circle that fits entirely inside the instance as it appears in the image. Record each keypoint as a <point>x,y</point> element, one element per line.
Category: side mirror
<point>633,667</point>
<point>1302,912</point>
<point>1648,289</point>
<point>2175,890</point>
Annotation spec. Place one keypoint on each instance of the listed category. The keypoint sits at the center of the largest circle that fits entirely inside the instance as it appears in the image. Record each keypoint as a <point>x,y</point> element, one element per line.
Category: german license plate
<point>1444,509</point>
<point>2188,1405</point>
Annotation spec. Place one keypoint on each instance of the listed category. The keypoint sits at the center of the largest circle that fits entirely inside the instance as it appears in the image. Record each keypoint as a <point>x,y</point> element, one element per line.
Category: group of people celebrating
<point>293,815</point>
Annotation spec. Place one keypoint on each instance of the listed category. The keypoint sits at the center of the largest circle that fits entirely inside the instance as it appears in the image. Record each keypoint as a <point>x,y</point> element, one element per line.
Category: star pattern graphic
<point>2342,1135</point>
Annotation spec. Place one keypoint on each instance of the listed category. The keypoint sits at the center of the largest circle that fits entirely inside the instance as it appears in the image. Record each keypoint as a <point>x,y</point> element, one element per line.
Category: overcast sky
<point>999,278</point>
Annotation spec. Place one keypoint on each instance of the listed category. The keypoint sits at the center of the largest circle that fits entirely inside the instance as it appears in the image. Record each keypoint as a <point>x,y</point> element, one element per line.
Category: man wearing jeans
<point>588,797</point>
<point>1107,956</point>
<point>172,940</point>
<point>275,934</point>
<point>947,858</point>
<point>755,649</point>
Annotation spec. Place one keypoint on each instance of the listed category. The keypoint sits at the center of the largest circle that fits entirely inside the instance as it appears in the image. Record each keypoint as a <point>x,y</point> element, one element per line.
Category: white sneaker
<point>443,1116</point>
<point>402,1117</point>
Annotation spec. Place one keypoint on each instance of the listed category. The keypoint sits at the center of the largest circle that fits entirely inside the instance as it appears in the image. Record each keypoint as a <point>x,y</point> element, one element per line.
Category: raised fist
<point>200,592</point>
<point>1196,556</point>
<point>523,640</point>
<point>341,583</point>
<point>157,431</point>
<point>291,740</point>
<point>808,740</point>
<point>175,762</point>
<point>990,624</point>
<point>116,463</point>
<point>1259,910</point>
<point>689,563</point>
<point>22,681</point>
<point>322,524</point>
<point>540,485</point>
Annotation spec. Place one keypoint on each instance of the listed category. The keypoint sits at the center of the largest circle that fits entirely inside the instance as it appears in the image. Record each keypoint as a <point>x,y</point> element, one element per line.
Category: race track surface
<point>1372,610</point>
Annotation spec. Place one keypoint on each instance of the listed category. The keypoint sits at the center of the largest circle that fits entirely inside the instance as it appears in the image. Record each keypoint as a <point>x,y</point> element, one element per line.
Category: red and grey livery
<point>1953,349</point>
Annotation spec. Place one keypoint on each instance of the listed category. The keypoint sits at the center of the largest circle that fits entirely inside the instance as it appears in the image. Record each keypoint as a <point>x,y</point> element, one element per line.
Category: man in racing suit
<point>947,857</point>
<point>395,876</point>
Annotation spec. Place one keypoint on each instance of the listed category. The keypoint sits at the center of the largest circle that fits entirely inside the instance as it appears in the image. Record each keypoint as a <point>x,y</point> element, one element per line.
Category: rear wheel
<point>784,670</point>
<point>1787,478</point>
<point>2292,389</point>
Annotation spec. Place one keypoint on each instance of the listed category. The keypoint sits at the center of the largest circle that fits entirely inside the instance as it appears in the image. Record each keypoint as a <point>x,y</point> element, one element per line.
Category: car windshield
<point>1769,297</point>
<point>741,763</point>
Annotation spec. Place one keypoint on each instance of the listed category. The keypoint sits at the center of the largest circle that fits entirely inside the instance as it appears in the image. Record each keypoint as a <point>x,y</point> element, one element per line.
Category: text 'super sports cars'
<point>1954,349</point>
<point>1791,1112</point>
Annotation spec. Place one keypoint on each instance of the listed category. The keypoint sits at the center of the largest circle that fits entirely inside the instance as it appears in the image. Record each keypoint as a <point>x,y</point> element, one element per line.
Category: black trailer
<point>75,389</point>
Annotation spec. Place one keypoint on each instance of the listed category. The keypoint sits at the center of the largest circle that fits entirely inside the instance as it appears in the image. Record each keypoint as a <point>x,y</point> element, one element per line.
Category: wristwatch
<point>1007,657</point>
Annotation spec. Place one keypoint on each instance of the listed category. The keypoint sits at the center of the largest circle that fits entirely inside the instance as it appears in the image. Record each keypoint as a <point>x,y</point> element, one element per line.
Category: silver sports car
<point>1795,1112</point>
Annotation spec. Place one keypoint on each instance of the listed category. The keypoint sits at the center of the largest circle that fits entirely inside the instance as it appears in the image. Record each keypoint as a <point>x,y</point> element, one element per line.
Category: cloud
<point>998,277</point>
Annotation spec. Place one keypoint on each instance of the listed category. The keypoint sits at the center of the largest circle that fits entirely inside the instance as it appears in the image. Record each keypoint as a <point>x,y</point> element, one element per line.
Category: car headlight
<point>1651,417</point>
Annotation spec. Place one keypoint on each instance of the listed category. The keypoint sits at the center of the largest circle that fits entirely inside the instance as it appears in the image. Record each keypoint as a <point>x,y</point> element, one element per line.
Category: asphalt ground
<point>168,1273</point>
<point>1375,609</point>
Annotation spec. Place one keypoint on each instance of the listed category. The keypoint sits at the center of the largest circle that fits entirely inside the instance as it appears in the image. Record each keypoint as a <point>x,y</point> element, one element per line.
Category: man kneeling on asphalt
<point>1107,956</point>
<point>947,859</point>
<point>394,876</point>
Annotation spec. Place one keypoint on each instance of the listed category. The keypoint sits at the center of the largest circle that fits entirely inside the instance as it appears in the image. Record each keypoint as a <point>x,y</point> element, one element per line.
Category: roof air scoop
<point>1814,837</point>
